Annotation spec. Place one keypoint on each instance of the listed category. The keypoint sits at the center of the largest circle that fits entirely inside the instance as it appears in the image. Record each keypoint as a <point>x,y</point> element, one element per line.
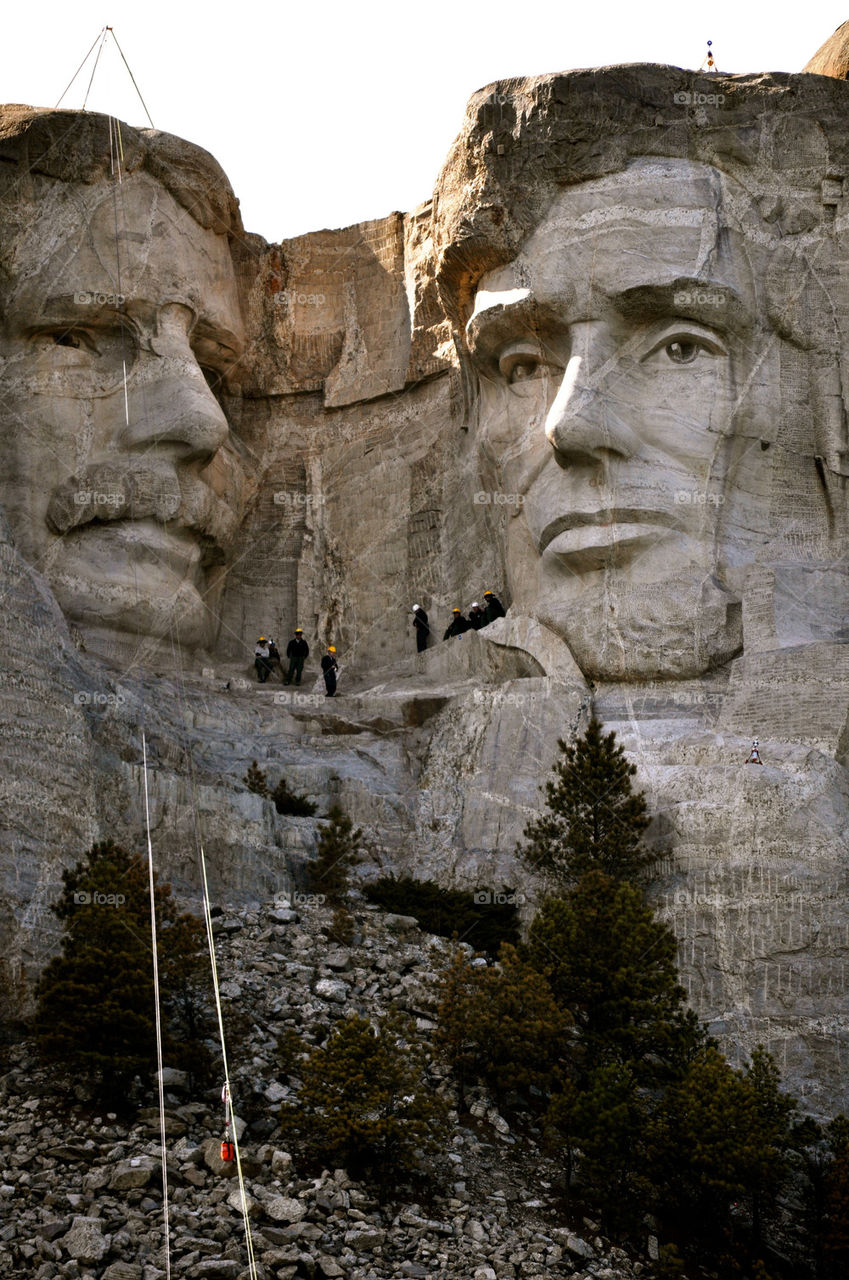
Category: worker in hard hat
<point>421,627</point>
<point>329,667</point>
<point>477,618</point>
<point>493,608</point>
<point>457,625</point>
<point>297,651</point>
<point>274,657</point>
<point>261,660</point>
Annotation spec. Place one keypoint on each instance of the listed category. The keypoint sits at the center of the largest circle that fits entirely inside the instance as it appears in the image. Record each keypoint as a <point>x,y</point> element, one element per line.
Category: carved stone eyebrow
<point>229,344</point>
<point>511,317</point>
<point>64,308</point>
<point>712,303</point>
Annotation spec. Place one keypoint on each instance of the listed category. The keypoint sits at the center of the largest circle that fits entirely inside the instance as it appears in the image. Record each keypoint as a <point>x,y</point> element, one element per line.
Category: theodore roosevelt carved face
<point>120,322</point>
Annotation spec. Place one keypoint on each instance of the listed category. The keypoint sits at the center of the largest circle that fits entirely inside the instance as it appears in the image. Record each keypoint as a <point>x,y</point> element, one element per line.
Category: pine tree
<point>364,1104</point>
<point>339,849</point>
<point>721,1140</point>
<point>291,802</point>
<point>602,1123</point>
<point>285,800</point>
<point>456,1038</point>
<point>256,780</point>
<point>612,967</point>
<point>95,1012</point>
<point>836,1200</point>
<point>500,1024</point>
<point>342,928</point>
<point>769,1166</point>
<point>594,821</point>
<point>670,1264</point>
<point>482,918</point>
<point>694,1147</point>
<point>186,996</point>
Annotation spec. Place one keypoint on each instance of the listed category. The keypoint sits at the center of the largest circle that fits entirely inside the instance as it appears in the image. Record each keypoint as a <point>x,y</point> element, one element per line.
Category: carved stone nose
<point>585,422</point>
<point>176,413</point>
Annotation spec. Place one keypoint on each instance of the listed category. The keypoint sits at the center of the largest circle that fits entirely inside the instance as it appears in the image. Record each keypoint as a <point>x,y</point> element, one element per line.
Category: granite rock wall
<point>355,419</point>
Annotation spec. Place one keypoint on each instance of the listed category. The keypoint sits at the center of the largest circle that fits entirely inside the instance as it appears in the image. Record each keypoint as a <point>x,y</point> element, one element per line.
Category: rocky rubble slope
<point>81,1196</point>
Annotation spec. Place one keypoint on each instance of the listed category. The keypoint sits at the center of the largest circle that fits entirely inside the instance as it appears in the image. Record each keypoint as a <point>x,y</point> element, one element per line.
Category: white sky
<point>328,113</point>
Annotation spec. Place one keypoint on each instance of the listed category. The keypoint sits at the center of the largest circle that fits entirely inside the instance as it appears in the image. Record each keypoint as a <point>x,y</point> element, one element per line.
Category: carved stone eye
<point>523,370</point>
<point>66,340</point>
<point>682,352</point>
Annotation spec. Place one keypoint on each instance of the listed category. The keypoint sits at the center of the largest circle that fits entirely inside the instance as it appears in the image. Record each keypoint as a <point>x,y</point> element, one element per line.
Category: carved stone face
<point>120,317</point>
<point>613,356</point>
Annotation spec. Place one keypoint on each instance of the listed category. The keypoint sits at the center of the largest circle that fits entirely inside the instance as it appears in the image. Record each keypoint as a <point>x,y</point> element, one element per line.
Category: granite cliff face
<point>647,466</point>
<point>832,58</point>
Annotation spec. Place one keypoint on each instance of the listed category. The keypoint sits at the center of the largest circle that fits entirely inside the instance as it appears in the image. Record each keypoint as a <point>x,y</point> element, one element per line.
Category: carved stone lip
<point>590,547</point>
<point>606,523</point>
<point>173,547</point>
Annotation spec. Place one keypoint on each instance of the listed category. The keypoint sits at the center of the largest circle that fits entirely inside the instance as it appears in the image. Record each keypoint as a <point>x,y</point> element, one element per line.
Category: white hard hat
<point>415,606</point>
<point>475,604</point>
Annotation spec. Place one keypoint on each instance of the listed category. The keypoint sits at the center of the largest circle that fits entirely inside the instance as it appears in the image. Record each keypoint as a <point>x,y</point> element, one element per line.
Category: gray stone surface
<point>85,1241</point>
<point>284,1209</point>
<point>128,1174</point>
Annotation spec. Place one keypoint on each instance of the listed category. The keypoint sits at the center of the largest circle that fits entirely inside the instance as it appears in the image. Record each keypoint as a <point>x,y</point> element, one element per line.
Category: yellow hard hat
<point>487,593</point>
<point>297,629</point>
<point>455,610</point>
<point>331,648</point>
<point>261,640</point>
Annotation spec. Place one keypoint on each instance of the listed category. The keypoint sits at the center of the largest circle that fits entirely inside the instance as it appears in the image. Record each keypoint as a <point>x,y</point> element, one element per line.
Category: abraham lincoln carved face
<point>656,360</point>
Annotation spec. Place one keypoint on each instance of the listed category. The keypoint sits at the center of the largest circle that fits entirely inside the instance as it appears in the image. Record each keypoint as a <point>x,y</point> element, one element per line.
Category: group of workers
<point>480,615</point>
<point>267,658</point>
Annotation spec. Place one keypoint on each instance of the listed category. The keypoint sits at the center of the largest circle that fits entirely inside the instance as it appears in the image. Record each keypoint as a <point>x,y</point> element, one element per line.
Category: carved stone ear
<point>719,635</point>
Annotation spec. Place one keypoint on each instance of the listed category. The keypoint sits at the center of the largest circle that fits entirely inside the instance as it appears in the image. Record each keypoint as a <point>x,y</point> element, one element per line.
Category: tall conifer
<point>593,821</point>
<point>95,1014</point>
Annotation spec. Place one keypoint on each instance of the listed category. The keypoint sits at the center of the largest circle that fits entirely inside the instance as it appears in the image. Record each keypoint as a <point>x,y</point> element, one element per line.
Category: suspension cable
<point>227,1095</point>
<point>103,36</point>
<point>132,77</point>
<point>94,68</point>
<point>156,1005</point>
<point>79,68</point>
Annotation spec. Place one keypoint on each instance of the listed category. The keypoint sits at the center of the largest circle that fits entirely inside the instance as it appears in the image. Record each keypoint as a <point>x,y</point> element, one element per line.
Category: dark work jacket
<point>494,609</point>
<point>477,619</point>
<point>328,662</point>
<point>297,649</point>
<point>420,621</point>
<point>457,627</point>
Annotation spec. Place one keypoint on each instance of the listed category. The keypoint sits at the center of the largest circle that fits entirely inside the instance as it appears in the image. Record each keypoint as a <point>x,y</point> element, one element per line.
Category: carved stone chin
<point>675,630</point>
